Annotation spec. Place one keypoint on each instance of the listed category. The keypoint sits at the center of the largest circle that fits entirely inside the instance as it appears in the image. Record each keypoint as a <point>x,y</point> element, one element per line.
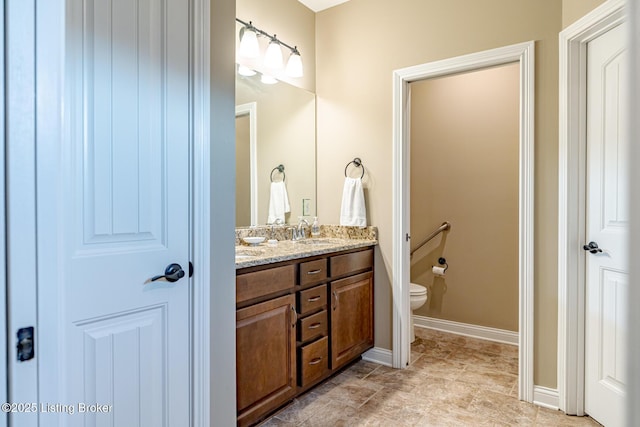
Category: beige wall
<point>464,169</point>
<point>572,10</point>
<point>355,61</point>
<point>291,22</point>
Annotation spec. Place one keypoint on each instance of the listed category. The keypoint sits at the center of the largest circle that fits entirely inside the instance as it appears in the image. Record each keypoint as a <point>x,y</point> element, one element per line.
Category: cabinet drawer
<point>313,361</point>
<point>313,271</point>
<point>264,282</point>
<point>351,263</point>
<point>312,299</point>
<point>313,326</point>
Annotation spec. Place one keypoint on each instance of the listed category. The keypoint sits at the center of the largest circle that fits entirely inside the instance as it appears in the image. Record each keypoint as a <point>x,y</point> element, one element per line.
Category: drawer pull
<point>316,361</point>
<point>314,271</point>
<point>314,299</point>
<point>295,316</point>
<point>335,297</point>
<point>315,325</point>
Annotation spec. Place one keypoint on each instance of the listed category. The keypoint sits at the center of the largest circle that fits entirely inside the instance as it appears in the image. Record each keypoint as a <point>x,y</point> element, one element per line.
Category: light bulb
<point>245,71</point>
<point>249,47</point>
<point>268,80</point>
<point>294,65</point>
<point>273,56</point>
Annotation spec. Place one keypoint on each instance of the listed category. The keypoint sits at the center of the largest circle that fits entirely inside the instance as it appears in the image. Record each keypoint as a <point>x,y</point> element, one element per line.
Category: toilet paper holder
<point>443,261</point>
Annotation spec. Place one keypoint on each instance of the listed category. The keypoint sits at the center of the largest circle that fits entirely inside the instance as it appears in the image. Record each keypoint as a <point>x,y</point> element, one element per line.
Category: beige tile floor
<point>452,381</point>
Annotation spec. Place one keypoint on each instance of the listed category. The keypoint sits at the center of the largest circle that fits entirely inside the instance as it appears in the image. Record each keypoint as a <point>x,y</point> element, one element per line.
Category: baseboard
<point>546,397</point>
<point>378,355</point>
<point>474,331</point>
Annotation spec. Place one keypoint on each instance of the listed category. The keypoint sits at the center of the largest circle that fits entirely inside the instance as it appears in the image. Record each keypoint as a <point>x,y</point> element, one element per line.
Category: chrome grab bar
<point>444,227</point>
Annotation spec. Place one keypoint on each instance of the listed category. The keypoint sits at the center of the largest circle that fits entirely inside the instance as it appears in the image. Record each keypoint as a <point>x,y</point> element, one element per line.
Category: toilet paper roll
<point>438,271</point>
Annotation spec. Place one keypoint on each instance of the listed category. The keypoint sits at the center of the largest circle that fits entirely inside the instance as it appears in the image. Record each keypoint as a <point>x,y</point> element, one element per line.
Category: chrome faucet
<point>298,233</point>
<point>301,235</point>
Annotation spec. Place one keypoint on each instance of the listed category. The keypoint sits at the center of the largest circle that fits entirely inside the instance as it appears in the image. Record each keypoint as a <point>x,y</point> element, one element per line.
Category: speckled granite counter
<point>332,239</point>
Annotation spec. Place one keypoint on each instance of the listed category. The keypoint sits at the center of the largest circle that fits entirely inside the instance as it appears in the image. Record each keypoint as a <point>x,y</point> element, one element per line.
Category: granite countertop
<point>264,253</point>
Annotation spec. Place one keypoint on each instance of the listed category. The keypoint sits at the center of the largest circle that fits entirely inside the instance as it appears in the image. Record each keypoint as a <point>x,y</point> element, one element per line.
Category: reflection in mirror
<point>246,173</point>
<point>284,123</point>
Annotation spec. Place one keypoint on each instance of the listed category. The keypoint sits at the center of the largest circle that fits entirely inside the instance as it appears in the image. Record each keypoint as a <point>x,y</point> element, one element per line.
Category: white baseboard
<point>546,397</point>
<point>378,355</point>
<point>474,331</point>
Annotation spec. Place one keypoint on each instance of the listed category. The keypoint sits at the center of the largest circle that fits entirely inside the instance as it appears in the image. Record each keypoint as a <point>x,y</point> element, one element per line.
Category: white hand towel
<point>278,202</point>
<point>353,211</point>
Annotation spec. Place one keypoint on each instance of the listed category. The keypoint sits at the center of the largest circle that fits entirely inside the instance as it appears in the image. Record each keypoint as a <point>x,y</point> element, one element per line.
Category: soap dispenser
<point>315,227</point>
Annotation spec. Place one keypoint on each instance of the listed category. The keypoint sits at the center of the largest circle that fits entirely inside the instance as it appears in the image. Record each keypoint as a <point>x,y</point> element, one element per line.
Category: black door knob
<point>172,273</point>
<point>592,247</point>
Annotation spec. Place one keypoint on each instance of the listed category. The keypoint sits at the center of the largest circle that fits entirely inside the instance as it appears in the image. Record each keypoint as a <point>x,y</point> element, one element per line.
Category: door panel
<point>607,225</point>
<point>123,209</point>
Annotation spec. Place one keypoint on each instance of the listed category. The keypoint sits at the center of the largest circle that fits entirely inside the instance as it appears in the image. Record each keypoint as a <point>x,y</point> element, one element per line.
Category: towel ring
<point>358,163</point>
<point>279,168</point>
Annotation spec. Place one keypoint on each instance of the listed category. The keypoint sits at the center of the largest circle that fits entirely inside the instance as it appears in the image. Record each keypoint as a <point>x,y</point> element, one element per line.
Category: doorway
<point>524,55</point>
<point>464,170</point>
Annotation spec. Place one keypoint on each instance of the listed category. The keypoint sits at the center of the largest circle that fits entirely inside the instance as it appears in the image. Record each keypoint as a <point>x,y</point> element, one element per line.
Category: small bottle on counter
<point>315,227</point>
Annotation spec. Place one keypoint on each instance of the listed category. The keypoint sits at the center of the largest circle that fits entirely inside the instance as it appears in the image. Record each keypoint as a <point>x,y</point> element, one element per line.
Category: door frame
<point>572,200</point>
<point>633,400</point>
<point>524,54</point>
<point>3,225</point>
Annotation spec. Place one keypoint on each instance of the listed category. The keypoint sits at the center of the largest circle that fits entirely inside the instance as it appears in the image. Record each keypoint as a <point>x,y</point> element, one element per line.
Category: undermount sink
<point>315,242</point>
<point>247,254</point>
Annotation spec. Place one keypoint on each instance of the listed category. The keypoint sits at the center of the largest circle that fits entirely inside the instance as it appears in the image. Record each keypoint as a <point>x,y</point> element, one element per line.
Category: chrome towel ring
<point>358,163</point>
<point>279,168</point>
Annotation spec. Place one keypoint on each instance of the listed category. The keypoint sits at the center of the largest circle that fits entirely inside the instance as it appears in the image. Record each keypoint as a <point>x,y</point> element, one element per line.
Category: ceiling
<point>318,5</point>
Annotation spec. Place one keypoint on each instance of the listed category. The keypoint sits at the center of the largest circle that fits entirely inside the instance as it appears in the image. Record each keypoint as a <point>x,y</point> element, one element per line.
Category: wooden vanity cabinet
<point>297,324</point>
<point>351,318</point>
<point>265,347</point>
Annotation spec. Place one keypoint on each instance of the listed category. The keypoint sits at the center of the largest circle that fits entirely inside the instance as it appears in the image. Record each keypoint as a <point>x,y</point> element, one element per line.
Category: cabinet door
<point>265,357</point>
<point>351,318</point>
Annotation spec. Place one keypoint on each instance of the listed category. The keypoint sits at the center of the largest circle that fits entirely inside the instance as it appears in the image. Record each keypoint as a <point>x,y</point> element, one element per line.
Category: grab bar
<point>444,227</point>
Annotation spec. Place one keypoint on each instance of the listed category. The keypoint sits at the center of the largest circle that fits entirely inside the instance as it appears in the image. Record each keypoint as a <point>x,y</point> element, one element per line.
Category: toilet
<point>418,299</point>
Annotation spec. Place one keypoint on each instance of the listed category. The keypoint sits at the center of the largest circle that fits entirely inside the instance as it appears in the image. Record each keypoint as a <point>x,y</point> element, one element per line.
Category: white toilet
<point>418,299</point>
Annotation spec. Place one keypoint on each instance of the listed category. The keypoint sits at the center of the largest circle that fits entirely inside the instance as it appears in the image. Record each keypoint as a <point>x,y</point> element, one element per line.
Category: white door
<point>607,219</point>
<point>121,209</point>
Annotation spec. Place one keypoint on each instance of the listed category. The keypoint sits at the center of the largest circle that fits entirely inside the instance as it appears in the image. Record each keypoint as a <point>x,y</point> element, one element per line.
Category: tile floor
<point>452,381</point>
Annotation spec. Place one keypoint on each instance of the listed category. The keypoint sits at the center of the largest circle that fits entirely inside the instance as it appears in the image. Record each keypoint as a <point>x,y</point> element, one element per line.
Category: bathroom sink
<point>314,242</point>
<point>247,254</point>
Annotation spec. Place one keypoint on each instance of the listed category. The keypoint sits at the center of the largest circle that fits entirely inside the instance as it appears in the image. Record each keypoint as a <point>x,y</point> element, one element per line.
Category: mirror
<point>275,125</point>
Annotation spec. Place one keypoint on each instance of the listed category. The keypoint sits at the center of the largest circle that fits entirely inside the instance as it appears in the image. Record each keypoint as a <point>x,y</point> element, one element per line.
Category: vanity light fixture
<point>268,80</point>
<point>249,47</point>
<point>245,71</point>
<point>273,60</point>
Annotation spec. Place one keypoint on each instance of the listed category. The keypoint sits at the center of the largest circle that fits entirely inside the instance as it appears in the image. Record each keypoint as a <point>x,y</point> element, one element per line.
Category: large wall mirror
<point>275,125</point>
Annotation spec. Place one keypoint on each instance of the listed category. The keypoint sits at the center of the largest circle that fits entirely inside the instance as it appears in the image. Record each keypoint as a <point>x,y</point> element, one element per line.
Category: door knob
<point>172,273</point>
<point>592,247</point>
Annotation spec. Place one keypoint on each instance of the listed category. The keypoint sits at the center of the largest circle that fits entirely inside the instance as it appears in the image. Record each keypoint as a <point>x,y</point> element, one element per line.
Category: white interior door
<point>607,218</point>
<point>109,335</point>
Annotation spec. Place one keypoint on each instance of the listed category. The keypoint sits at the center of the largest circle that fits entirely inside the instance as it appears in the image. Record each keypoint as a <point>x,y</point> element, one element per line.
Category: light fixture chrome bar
<point>272,37</point>
<point>445,226</point>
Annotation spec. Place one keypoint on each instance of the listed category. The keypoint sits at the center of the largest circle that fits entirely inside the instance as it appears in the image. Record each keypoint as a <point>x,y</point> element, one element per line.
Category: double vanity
<point>304,310</point>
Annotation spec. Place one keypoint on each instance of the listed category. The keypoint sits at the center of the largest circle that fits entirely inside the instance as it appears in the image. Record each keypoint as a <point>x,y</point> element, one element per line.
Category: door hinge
<point>26,344</point>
